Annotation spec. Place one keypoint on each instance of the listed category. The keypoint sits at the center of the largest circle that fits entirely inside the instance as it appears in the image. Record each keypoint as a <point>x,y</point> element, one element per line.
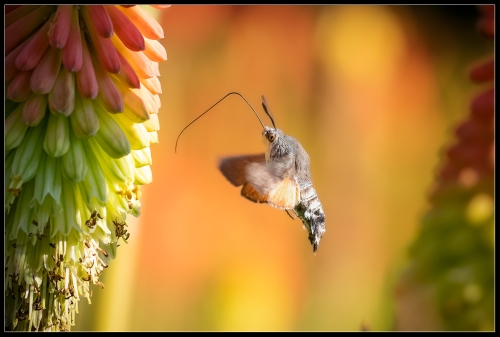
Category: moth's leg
<point>290,215</point>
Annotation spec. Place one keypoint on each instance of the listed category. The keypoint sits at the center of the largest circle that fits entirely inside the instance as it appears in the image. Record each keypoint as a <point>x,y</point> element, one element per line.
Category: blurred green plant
<point>452,259</point>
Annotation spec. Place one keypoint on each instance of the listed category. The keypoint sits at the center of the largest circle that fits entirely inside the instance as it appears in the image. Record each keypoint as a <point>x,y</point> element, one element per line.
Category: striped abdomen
<point>310,211</point>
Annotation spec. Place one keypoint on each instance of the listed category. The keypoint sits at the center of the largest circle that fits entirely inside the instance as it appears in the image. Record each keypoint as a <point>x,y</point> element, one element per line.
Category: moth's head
<point>271,135</point>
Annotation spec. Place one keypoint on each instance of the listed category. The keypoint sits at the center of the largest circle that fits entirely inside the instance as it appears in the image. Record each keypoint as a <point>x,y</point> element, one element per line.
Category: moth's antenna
<point>267,110</point>
<point>231,93</point>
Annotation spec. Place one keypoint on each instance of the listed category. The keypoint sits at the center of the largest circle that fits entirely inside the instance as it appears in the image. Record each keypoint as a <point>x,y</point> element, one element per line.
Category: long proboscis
<point>231,93</point>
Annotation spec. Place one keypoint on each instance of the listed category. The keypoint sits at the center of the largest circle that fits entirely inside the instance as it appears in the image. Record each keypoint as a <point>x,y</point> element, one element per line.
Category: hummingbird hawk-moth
<point>280,177</point>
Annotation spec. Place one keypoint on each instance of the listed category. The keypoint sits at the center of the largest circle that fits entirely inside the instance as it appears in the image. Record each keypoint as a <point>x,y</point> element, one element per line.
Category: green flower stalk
<point>450,282</point>
<point>82,97</point>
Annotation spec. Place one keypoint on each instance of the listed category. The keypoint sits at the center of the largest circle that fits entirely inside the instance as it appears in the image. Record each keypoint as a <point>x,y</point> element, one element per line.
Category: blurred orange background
<point>371,92</point>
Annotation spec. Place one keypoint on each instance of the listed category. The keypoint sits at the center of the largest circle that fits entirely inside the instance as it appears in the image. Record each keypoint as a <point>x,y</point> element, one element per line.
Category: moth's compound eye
<point>271,137</point>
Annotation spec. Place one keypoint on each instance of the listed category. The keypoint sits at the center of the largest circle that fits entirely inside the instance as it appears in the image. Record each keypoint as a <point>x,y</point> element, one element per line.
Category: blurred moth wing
<point>233,168</point>
<point>285,195</point>
<point>276,181</point>
<point>251,194</point>
<point>262,182</point>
